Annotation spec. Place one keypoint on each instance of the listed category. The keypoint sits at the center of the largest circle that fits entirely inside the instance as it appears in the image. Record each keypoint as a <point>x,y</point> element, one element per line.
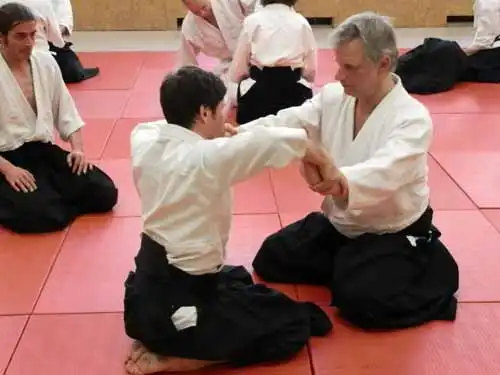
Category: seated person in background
<point>212,27</point>
<point>484,51</point>
<point>49,37</point>
<point>64,16</point>
<point>42,187</point>
<point>374,243</point>
<point>275,61</point>
<point>185,308</point>
<point>47,26</point>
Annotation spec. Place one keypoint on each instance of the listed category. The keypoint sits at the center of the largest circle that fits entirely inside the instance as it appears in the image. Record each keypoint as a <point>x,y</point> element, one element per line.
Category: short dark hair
<point>290,3</point>
<point>185,91</point>
<point>12,14</point>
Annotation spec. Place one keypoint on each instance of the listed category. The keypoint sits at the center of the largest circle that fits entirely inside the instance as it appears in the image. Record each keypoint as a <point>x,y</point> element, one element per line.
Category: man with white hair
<point>213,28</point>
<point>373,243</point>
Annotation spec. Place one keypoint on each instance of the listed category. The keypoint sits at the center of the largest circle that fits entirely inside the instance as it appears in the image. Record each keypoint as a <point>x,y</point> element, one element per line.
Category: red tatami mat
<point>466,132</point>
<point>470,345</point>
<point>70,284</point>
<point>476,172</point>
<point>493,217</point>
<point>11,328</point>
<point>96,344</point>
<point>91,269</point>
<point>25,262</point>
<point>464,98</point>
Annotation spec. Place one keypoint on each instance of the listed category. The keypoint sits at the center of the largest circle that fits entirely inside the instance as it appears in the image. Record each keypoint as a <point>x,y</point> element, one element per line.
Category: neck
<point>370,102</point>
<point>198,130</point>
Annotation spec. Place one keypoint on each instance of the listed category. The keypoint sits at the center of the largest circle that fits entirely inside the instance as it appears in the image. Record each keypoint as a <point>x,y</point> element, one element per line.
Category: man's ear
<point>203,113</point>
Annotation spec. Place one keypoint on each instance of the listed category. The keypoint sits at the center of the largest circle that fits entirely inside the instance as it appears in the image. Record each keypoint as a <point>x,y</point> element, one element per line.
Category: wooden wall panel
<point>163,14</point>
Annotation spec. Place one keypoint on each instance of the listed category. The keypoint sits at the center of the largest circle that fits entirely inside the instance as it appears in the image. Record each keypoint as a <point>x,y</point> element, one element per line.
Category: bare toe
<point>132,368</point>
<point>150,363</point>
<point>140,350</point>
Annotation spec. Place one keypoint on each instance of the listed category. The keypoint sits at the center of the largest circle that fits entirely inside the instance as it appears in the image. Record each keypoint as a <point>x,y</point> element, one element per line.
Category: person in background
<point>484,51</point>
<point>212,27</point>
<point>43,188</point>
<point>64,15</point>
<point>48,31</point>
<point>275,61</point>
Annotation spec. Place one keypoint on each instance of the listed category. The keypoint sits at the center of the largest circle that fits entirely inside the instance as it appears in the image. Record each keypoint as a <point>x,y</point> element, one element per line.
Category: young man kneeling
<point>183,306</point>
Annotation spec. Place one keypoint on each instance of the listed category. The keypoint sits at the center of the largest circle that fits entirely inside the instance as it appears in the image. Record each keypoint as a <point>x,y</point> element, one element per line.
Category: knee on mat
<point>35,220</point>
<point>104,196</point>
<point>264,263</point>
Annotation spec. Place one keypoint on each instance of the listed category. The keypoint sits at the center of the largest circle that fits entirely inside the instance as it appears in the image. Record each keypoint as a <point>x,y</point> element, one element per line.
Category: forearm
<point>76,140</point>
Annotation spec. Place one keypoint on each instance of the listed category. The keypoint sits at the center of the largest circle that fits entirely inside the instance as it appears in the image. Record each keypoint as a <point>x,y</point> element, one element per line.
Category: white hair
<point>376,33</point>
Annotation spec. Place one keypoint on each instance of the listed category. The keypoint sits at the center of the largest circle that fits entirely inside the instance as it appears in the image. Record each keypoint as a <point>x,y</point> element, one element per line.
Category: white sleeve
<point>307,115</point>
<point>392,166</point>
<point>67,120</point>
<point>486,25</point>
<point>311,54</point>
<point>64,13</point>
<point>52,25</point>
<point>188,52</point>
<point>241,59</point>
<point>240,157</point>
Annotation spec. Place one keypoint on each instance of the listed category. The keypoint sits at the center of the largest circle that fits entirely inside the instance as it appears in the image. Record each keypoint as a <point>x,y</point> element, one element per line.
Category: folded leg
<point>394,281</point>
<point>300,253</point>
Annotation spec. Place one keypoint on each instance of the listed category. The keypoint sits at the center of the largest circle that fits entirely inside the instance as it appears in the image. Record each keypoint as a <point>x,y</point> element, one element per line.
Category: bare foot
<point>136,350</point>
<point>149,363</point>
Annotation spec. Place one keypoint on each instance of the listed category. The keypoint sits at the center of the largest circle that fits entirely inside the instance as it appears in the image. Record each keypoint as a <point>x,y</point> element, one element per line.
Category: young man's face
<point>19,42</point>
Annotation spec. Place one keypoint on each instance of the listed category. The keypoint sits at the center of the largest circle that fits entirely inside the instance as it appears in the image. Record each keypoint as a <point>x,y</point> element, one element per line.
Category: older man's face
<point>359,75</point>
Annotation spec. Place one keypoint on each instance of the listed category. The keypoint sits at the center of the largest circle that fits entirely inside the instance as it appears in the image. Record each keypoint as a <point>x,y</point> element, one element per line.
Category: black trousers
<point>377,281</point>
<point>238,322</point>
<point>61,195</point>
<point>71,67</point>
<point>274,89</point>
<point>483,66</point>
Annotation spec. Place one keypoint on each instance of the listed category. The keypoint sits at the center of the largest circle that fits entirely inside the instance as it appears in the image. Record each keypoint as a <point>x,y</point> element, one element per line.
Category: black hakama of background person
<point>71,67</point>
<point>61,195</point>
<point>439,65</point>
<point>275,88</point>
<point>435,66</point>
<point>483,66</point>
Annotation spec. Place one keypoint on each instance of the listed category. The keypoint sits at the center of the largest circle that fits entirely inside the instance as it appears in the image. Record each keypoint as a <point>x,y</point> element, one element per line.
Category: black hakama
<point>239,322</point>
<point>483,66</point>
<point>61,195</point>
<point>71,67</point>
<point>438,65</point>
<point>377,281</point>
<point>275,88</point>
<point>435,66</point>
